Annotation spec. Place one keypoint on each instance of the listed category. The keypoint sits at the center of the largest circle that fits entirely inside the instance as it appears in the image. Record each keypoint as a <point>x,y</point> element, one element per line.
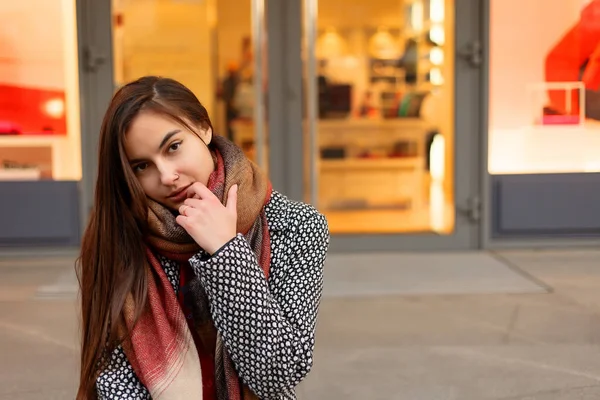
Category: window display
<point>544,87</point>
<point>39,94</point>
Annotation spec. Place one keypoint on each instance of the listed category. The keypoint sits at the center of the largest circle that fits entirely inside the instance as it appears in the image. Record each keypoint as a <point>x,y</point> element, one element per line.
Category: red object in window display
<point>31,111</point>
<point>576,57</point>
<point>9,128</point>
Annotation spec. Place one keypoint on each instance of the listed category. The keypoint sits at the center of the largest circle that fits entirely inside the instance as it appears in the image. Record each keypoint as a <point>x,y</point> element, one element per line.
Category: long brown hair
<point>112,261</point>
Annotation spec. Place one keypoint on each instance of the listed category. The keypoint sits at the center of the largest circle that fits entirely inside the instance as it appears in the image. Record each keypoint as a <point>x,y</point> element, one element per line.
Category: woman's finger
<point>187,211</point>
<point>182,221</point>
<point>194,203</point>
<point>232,199</point>
<point>182,209</point>
<point>199,191</point>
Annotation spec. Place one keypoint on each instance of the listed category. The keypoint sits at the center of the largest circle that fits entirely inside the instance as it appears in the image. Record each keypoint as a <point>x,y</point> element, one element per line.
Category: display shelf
<point>381,181</point>
<point>30,140</point>
<point>545,149</point>
<point>372,164</point>
<point>57,157</point>
<point>25,174</point>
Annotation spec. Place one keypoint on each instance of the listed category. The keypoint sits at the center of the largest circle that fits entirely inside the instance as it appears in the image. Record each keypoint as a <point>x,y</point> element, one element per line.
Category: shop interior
<point>385,116</point>
<point>385,80</point>
<point>385,129</point>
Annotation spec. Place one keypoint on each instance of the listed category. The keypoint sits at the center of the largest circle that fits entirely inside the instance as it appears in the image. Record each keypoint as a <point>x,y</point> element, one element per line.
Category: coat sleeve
<point>269,327</point>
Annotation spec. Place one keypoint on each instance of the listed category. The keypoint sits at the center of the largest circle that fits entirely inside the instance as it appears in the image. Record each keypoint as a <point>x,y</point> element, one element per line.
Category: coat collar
<point>276,211</point>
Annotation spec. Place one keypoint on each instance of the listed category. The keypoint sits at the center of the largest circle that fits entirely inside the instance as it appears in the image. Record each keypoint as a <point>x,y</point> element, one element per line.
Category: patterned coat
<point>268,326</point>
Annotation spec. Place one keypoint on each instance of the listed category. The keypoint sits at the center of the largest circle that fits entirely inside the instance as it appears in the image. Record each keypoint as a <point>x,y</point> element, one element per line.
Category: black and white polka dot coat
<point>267,326</point>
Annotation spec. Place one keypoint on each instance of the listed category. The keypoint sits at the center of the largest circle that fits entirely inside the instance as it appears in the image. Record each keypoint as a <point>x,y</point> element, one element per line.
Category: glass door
<point>390,147</point>
<point>214,47</point>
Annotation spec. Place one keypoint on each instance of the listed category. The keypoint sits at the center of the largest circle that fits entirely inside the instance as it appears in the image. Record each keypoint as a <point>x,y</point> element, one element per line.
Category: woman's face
<point>167,157</point>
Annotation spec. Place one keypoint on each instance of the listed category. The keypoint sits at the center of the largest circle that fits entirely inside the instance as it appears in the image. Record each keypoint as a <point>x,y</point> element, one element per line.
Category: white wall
<point>522,32</point>
<point>170,39</point>
<point>361,13</point>
<point>31,43</point>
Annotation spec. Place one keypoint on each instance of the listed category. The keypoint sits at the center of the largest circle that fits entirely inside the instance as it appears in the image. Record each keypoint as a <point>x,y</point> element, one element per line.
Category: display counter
<point>366,163</point>
<point>545,181</point>
<point>545,149</point>
<point>370,164</point>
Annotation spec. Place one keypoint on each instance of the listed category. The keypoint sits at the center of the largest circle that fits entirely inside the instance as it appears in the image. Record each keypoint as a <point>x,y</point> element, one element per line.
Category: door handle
<point>471,210</point>
<point>92,59</point>
<point>472,53</point>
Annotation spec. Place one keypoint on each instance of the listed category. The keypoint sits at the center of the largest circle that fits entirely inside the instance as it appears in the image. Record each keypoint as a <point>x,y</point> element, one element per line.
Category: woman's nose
<point>168,176</point>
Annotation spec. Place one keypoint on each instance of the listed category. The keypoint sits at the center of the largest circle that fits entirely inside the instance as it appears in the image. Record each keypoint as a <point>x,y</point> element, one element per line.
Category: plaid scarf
<point>161,347</point>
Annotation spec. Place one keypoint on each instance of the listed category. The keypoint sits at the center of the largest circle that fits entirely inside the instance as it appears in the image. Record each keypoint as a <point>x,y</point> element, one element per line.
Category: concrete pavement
<point>514,325</point>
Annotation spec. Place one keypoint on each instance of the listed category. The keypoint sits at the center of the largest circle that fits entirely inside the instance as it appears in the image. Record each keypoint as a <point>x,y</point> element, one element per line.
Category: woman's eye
<point>174,146</point>
<point>140,167</point>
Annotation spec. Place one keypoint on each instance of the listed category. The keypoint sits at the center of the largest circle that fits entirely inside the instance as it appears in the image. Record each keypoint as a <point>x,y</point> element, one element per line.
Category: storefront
<point>40,149</point>
<point>544,129</point>
<point>376,111</point>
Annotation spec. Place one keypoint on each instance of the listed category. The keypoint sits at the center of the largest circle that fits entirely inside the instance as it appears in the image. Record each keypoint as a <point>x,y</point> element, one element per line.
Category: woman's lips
<point>179,196</point>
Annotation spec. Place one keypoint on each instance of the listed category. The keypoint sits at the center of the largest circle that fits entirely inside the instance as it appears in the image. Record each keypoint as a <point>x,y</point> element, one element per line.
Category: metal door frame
<point>285,101</point>
<point>96,83</point>
<point>285,109</point>
<point>94,25</point>
<point>95,69</point>
<point>470,106</point>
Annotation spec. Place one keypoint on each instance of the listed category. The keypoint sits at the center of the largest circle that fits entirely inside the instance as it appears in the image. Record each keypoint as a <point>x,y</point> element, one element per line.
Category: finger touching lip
<point>180,195</point>
<point>199,191</point>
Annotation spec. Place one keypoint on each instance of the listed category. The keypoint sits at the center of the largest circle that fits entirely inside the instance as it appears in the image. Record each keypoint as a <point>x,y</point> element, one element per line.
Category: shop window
<point>544,87</point>
<point>385,128</point>
<point>39,94</point>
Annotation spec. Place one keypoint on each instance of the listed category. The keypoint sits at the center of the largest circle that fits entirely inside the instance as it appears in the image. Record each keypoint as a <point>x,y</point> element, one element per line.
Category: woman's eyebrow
<point>168,136</point>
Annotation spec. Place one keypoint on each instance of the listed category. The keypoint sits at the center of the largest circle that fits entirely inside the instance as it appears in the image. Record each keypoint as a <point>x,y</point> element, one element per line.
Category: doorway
<point>371,112</point>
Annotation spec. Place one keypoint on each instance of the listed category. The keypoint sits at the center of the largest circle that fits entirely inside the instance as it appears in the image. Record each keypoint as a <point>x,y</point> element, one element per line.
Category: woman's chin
<point>174,207</point>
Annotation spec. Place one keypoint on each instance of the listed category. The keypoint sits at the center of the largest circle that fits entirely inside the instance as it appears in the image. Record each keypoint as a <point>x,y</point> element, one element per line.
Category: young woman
<point>198,281</point>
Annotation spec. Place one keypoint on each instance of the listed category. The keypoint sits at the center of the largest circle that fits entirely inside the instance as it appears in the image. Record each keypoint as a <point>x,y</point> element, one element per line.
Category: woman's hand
<point>206,220</point>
